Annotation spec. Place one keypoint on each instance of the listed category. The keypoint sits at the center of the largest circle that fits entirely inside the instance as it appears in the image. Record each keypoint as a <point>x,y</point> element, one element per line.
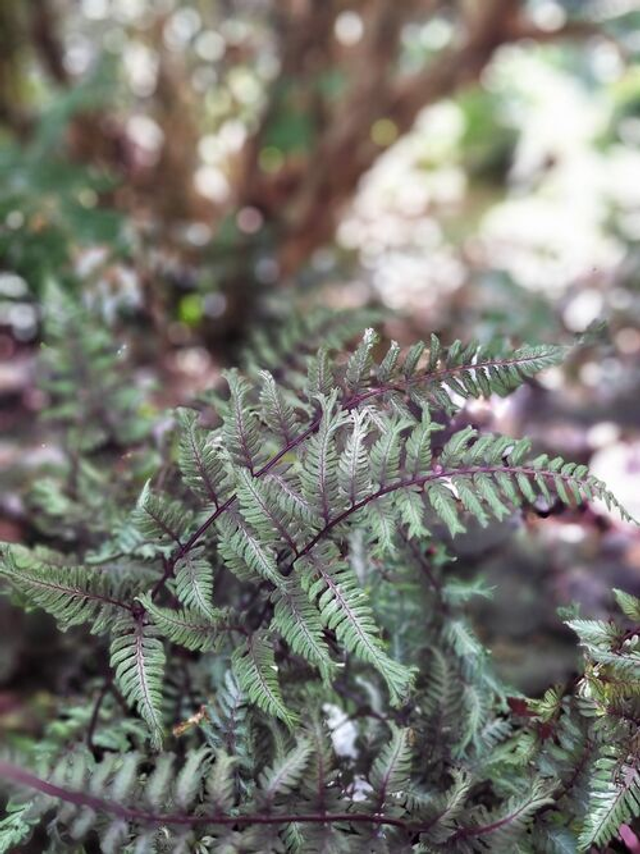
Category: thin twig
<point>96,711</point>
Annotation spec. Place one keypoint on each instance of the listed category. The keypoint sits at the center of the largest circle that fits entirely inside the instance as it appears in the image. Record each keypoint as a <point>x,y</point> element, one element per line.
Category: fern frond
<point>161,521</point>
<point>277,413</point>
<point>226,725</point>
<point>300,625</point>
<point>474,371</point>
<point>345,610</point>
<point>220,785</point>
<point>608,643</point>
<point>256,671</point>
<point>245,553</point>
<point>614,798</point>
<point>266,511</point>
<point>501,828</point>
<point>189,780</point>
<point>320,377</point>
<point>353,465</point>
<point>15,828</point>
<point>194,582</point>
<point>73,595</point>
<point>628,604</point>
<point>441,814</point>
<point>285,348</point>
<point>200,458</point>
<point>285,774</point>
<point>418,446</point>
<point>318,473</point>
<point>241,429</point>
<point>188,628</point>
<point>157,789</point>
<point>391,771</point>
<point>384,457</point>
<point>360,363</point>
<point>138,659</point>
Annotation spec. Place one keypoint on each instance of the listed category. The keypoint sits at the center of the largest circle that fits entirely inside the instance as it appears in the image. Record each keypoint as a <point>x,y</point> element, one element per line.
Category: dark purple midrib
<point>421,480</point>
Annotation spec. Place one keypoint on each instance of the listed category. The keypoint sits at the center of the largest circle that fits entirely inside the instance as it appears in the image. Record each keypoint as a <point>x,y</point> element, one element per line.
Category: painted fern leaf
<point>300,624</point>
<point>277,412</point>
<point>285,774</point>
<point>319,463</point>
<point>255,668</point>
<point>194,582</point>
<point>201,459</point>
<point>187,627</point>
<point>245,553</point>
<point>353,465</point>
<point>73,595</point>
<point>360,362</point>
<point>138,660</point>
<point>614,798</point>
<point>261,506</point>
<point>160,520</point>
<point>220,783</point>
<point>500,829</point>
<point>345,610</point>
<point>390,774</point>
<point>243,439</point>
<point>472,371</point>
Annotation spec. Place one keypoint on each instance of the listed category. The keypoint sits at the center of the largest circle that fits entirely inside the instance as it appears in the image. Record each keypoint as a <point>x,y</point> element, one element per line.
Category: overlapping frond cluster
<point>563,778</point>
<point>610,693</point>
<point>277,487</point>
<point>297,799</point>
<point>291,562</point>
<point>284,348</point>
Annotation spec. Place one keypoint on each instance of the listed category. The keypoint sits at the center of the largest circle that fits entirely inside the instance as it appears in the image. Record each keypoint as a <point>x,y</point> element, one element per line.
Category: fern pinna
<point>293,559</point>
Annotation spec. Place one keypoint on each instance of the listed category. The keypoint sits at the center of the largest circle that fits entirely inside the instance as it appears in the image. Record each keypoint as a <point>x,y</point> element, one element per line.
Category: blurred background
<point>200,171</point>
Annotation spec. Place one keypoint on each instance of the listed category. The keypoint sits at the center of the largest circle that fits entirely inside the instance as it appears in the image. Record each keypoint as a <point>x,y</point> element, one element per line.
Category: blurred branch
<point>44,29</point>
<point>524,30</point>
<point>305,199</point>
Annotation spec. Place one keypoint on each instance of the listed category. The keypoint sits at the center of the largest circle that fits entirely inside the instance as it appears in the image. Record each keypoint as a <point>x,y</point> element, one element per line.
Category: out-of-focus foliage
<point>49,205</point>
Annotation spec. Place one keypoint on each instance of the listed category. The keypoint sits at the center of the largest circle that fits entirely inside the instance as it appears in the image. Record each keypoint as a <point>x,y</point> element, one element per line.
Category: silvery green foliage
<point>562,774</point>
<point>284,561</point>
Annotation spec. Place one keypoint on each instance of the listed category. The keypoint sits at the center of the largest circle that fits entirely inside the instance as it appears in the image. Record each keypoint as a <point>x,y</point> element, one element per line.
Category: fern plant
<point>291,569</point>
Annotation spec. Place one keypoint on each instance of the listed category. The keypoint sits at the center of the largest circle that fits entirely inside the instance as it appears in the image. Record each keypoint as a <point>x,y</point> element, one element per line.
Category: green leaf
<point>360,363</point>
<point>194,582</point>
<point>188,628</point>
<point>201,459</point>
<point>73,595</point>
<point>345,610</point>
<point>284,775</point>
<point>276,412</point>
<point>255,669</point>
<point>300,625</point>
<point>160,520</point>
<point>614,798</point>
<point>138,659</point>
